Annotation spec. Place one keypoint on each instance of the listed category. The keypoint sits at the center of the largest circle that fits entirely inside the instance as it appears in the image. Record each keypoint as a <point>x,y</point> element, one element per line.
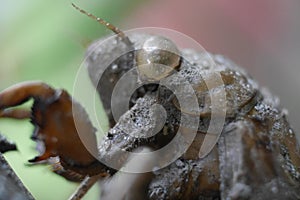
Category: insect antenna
<point>108,25</point>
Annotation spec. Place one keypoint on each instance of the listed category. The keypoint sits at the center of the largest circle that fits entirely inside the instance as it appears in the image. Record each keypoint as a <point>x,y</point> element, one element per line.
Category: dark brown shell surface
<point>256,157</point>
<point>57,123</point>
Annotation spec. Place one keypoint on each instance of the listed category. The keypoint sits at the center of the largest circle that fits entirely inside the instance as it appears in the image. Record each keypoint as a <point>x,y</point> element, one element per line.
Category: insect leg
<point>15,113</point>
<point>84,187</point>
<point>20,93</point>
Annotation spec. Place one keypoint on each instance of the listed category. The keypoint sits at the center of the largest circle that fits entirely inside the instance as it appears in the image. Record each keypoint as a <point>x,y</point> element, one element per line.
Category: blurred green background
<point>46,40</point>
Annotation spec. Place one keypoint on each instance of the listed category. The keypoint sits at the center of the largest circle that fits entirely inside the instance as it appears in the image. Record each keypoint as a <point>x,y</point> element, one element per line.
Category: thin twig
<point>84,187</point>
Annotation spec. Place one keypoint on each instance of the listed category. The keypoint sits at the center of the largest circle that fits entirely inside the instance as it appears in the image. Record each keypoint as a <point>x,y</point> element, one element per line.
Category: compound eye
<point>157,58</point>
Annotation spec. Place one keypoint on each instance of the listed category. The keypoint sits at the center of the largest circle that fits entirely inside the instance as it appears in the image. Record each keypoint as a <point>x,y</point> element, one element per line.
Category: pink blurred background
<point>262,36</point>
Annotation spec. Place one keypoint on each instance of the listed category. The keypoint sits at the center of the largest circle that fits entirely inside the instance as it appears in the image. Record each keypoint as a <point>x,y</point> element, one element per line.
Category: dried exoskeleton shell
<point>257,156</point>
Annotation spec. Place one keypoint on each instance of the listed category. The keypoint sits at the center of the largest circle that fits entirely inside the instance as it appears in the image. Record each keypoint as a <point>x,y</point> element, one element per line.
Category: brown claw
<point>21,92</point>
<point>61,125</point>
<point>15,113</point>
<point>43,157</point>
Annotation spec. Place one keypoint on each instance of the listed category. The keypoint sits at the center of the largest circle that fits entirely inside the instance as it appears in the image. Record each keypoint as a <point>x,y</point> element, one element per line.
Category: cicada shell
<point>257,155</point>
